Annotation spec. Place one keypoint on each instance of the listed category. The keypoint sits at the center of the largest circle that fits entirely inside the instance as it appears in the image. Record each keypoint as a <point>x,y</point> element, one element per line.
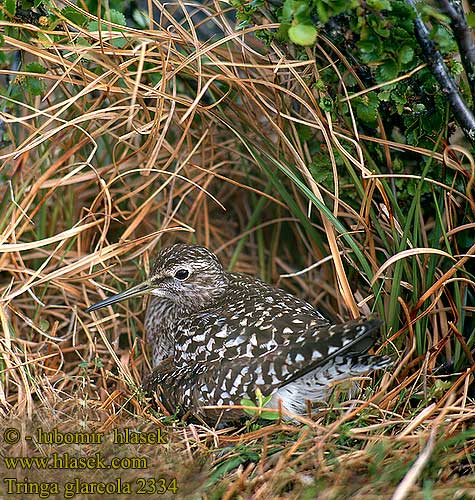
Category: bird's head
<point>188,275</point>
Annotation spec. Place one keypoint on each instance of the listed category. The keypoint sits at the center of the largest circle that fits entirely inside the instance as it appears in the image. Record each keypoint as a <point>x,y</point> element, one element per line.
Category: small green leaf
<point>379,4</point>
<point>301,10</point>
<point>259,408</point>
<point>287,12</point>
<point>387,71</point>
<point>10,5</point>
<point>367,109</point>
<point>303,34</point>
<point>34,85</point>
<point>74,16</point>
<point>326,103</point>
<point>35,67</point>
<point>455,68</point>
<point>381,31</point>
<point>322,11</point>
<point>269,415</point>
<point>248,402</point>
<point>117,17</point>
<point>406,54</point>
<point>443,38</point>
<point>366,45</point>
<point>93,26</point>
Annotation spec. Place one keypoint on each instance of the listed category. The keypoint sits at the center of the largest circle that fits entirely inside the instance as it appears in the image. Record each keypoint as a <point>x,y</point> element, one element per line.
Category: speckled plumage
<point>217,336</point>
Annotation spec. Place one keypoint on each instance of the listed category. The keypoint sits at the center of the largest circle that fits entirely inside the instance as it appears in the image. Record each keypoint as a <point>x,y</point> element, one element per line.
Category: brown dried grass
<point>110,162</point>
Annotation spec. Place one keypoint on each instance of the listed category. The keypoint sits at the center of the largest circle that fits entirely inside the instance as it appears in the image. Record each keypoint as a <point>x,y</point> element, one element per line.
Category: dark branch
<point>463,36</point>
<point>434,59</point>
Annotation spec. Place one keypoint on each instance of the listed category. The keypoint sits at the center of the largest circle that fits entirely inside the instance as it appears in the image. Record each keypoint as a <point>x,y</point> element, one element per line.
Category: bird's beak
<point>135,291</point>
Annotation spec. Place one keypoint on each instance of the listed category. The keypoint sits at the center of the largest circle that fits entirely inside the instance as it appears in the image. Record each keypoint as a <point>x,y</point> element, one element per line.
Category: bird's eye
<point>182,274</point>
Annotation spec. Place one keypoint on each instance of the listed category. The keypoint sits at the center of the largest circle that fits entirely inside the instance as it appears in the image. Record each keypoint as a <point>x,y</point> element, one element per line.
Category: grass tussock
<point>144,137</point>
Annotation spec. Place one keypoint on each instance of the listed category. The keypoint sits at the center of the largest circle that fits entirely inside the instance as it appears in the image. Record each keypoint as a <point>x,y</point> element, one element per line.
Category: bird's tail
<point>365,363</point>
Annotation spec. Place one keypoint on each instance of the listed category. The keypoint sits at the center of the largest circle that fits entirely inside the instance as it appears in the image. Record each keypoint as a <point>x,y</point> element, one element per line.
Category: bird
<point>218,337</point>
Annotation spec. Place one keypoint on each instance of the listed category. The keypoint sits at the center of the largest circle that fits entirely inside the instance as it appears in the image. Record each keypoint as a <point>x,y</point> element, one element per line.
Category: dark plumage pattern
<point>217,336</point>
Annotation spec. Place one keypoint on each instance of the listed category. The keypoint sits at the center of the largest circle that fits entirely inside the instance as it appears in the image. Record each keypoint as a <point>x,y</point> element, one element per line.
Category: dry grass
<point>165,138</point>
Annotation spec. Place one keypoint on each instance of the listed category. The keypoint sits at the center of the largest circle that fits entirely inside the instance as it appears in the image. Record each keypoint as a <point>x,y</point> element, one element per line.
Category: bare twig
<point>434,59</point>
<point>463,37</point>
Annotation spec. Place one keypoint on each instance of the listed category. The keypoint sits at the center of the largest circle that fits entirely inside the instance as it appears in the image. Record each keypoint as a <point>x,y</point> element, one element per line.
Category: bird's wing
<point>285,363</point>
<point>247,328</point>
<point>284,336</point>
